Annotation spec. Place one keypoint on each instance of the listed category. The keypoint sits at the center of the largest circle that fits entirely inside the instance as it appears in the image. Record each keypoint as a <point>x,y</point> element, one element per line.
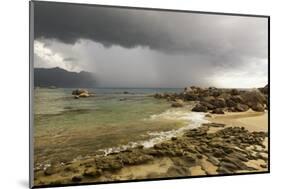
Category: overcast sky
<point>144,48</point>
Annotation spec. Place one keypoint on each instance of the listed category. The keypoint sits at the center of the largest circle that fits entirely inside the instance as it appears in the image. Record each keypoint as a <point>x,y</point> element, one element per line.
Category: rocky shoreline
<point>212,149</point>
<point>199,151</point>
<point>218,101</point>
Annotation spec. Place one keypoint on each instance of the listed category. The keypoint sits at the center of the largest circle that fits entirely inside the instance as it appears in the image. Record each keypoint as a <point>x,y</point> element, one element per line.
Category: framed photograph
<point>121,94</point>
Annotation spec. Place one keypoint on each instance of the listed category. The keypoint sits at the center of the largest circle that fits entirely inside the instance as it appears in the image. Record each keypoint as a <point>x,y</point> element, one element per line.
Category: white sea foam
<point>191,119</point>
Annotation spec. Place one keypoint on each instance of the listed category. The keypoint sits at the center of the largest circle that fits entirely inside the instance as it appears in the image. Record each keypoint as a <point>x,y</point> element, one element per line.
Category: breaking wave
<point>191,119</point>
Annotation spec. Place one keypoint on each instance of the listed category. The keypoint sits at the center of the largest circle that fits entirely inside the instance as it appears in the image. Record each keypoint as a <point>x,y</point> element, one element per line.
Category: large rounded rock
<point>241,107</point>
<point>253,97</point>
<point>219,103</point>
<point>258,107</point>
<point>200,108</point>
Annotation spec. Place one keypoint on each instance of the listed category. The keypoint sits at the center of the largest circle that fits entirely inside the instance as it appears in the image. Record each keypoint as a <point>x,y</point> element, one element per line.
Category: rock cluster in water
<point>218,101</point>
<point>228,150</point>
<point>81,93</point>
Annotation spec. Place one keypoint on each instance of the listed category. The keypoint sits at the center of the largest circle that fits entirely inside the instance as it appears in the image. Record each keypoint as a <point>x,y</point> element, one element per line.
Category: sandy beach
<point>251,120</point>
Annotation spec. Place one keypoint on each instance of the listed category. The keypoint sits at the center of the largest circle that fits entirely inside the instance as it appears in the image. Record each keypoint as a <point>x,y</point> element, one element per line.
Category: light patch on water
<point>192,120</point>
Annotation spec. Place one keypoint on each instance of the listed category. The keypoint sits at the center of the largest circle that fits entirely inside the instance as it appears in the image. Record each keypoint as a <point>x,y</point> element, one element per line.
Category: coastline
<point>208,150</point>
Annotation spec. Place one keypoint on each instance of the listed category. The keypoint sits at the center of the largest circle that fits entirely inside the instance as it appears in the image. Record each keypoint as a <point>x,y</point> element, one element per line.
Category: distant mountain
<point>58,77</point>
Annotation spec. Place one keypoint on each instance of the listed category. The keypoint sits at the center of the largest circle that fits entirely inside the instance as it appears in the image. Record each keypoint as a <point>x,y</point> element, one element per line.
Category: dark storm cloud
<point>108,26</point>
<point>164,31</point>
<point>169,48</point>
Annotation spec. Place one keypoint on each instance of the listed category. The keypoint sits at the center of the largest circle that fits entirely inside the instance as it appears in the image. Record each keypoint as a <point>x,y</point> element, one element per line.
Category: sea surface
<point>67,129</point>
